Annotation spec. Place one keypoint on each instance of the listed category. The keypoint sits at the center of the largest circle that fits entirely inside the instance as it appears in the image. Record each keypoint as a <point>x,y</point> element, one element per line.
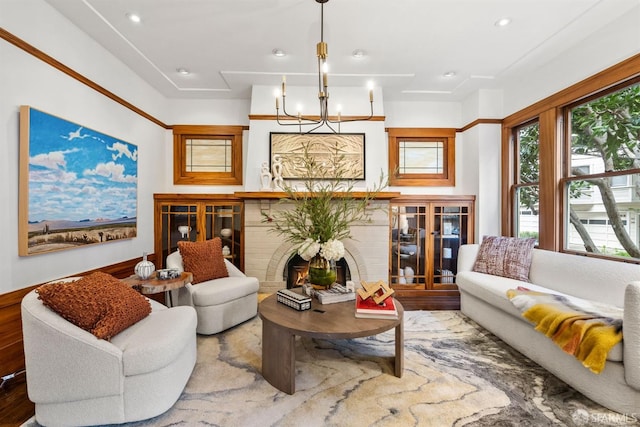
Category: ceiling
<point>409,44</point>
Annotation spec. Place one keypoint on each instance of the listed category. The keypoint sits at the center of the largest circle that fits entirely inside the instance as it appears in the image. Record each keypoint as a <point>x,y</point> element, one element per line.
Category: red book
<point>368,308</point>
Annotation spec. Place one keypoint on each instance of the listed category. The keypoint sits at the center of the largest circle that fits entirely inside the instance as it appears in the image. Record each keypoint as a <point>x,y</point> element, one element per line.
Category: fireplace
<point>267,255</point>
<point>296,269</point>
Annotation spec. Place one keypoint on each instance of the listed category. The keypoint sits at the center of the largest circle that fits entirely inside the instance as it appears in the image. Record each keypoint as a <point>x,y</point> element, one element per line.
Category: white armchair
<point>220,303</point>
<point>75,378</point>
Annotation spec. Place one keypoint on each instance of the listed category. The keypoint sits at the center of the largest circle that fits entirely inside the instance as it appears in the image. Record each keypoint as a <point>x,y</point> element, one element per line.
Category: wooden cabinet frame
<point>431,289</point>
<point>202,207</point>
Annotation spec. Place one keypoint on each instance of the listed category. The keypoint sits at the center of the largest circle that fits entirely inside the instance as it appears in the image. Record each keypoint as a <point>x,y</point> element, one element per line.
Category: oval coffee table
<point>281,324</point>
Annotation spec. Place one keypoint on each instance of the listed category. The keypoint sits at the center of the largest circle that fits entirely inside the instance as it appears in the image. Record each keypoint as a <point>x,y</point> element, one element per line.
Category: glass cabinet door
<point>408,246</point>
<point>225,221</point>
<point>179,222</point>
<point>450,231</point>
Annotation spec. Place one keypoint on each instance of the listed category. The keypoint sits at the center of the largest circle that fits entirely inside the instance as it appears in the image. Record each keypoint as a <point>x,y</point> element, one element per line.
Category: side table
<point>153,285</point>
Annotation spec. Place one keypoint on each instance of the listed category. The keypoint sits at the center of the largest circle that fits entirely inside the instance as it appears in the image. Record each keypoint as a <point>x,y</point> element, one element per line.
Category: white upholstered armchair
<point>220,303</point>
<point>74,378</point>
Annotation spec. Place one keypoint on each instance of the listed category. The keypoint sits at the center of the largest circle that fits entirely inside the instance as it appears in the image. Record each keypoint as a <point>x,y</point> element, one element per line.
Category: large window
<point>526,188</point>
<point>601,187</point>
<point>571,167</point>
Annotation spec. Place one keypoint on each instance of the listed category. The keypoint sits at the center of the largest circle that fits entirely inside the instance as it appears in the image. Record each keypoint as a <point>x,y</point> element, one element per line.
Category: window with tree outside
<point>527,187</point>
<point>602,180</point>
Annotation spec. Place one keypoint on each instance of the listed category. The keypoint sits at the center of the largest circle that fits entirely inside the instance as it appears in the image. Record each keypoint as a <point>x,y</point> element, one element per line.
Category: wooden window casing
<point>183,170</point>
<point>549,113</point>
<point>446,174</point>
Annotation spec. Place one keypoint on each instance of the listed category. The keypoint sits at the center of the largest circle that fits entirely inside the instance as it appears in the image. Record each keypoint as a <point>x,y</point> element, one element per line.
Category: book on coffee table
<point>337,293</point>
<point>368,309</point>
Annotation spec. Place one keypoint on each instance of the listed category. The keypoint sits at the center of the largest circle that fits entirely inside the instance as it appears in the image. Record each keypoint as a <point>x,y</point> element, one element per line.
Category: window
<point>603,160</point>
<point>422,157</point>
<point>588,188</point>
<point>526,188</point>
<point>207,155</point>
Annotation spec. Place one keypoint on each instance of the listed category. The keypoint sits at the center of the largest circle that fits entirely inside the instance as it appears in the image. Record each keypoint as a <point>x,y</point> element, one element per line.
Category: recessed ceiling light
<point>503,22</point>
<point>134,17</point>
<point>183,71</point>
<point>449,74</point>
<point>278,52</point>
<point>358,53</point>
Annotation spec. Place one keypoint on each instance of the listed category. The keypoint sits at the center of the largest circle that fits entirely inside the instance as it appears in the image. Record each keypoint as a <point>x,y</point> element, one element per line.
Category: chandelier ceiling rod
<point>323,93</point>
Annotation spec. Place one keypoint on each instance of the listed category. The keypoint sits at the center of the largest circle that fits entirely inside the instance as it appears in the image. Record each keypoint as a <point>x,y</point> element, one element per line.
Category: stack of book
<point>368,309</point>
<point>337,293</point>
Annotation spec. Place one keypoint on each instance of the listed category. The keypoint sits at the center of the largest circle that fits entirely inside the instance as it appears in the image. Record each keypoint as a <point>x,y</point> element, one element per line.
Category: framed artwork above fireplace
<point>322,147</point>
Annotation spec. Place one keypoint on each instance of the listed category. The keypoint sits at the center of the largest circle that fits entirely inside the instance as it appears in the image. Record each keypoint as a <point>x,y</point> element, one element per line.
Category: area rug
<point>456,374</point>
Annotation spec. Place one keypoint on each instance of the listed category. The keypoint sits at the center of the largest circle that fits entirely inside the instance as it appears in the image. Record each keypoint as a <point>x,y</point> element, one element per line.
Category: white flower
<point>332,250</point>
<point>308,249</point>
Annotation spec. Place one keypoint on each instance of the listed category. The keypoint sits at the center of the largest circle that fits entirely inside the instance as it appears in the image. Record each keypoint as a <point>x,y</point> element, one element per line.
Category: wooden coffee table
<point>281,324</point>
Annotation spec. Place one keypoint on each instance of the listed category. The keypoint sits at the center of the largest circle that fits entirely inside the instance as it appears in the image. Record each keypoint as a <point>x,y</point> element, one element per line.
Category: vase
<point>144,268</point>
<point>322,272</point>
<point>409,274</point>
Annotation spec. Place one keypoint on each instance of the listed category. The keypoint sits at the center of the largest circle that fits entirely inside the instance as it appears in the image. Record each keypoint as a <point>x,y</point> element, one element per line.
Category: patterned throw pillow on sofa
<point>203,259</point>
<point>98,303</point>
<point>505,256</point>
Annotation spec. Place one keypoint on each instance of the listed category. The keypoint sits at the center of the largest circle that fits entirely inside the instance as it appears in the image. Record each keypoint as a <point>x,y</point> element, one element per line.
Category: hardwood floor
<point>15,406</point>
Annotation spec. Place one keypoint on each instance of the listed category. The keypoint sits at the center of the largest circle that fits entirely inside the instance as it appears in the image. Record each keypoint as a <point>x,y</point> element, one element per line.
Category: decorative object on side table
<point>321,215</point>
<point>145,268</point>
<point>167,274</point>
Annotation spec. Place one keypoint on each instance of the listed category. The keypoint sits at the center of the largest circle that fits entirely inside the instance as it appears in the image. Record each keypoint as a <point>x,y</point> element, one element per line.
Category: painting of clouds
<point>77,186</point>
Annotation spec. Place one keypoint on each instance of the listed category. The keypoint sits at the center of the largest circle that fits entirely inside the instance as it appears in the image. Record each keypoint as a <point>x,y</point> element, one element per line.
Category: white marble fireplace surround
<point>266,253</point>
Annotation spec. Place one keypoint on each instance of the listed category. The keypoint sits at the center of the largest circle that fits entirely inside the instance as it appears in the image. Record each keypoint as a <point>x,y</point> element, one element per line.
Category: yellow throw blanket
<point>587,330</point>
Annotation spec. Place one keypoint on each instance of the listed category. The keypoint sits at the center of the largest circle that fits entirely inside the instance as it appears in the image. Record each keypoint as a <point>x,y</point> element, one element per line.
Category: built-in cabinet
<point>425,234</point>
<point>198,217</point>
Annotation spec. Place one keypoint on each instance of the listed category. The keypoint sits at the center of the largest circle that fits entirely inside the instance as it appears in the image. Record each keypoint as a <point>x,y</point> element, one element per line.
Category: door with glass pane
<point>450,231</point>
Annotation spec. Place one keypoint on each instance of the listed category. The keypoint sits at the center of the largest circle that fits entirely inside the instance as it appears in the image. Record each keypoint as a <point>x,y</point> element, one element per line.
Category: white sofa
<point>77,379</point>
<point>219,303</point>
<point>483,298</point>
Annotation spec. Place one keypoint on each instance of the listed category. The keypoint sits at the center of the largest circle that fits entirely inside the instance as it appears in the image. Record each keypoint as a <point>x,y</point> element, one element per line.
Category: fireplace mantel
<point>276,195</point>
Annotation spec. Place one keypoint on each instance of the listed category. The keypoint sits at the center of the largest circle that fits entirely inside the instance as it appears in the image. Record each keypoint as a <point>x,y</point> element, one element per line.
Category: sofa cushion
<point>157,340</point>
<point>493,290</point>
<point>98,303</point>
<point>223,290</point>
<point>505,256</point>
<point>203,259</point>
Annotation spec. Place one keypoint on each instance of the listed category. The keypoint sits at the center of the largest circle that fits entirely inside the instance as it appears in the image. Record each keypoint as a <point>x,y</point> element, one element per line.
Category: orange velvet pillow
<point>203,259</point>
<point>98,303</point>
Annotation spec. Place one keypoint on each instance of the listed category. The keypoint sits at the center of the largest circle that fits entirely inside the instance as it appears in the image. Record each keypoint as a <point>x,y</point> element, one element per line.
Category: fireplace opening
<point>295,271</point>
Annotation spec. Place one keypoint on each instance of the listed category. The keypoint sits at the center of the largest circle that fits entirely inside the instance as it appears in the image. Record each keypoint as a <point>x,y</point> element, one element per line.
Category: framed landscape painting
<point>322,147</point>
<point>77,186</point>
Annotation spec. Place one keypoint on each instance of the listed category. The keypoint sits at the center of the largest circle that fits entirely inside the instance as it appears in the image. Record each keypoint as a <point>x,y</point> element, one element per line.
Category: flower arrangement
<point>322,213</point>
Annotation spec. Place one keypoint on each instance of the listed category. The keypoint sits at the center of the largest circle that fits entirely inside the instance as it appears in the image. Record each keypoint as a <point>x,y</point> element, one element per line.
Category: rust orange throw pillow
<point>98,303</point>
<point>203,259</point>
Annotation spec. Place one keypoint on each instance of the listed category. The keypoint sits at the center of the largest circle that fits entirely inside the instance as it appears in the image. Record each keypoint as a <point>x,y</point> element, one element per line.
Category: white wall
<point>25,80</point>
<point>602,49</point>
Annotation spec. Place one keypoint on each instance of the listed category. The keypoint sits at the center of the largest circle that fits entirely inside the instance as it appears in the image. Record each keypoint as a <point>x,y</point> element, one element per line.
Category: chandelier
<point>322,119</point>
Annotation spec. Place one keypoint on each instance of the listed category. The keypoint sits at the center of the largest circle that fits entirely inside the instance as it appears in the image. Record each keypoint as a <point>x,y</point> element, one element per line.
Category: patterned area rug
<point>456,374</point>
